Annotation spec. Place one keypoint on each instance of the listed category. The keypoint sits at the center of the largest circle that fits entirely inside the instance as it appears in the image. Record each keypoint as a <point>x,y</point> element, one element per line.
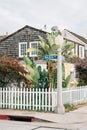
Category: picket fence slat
<point>37,99</point>
<point>30,100</point>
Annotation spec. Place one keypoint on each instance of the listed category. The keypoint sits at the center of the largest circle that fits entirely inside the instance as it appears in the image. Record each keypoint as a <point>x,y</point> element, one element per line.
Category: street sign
<point>52,57</point>
<point>47,57</point>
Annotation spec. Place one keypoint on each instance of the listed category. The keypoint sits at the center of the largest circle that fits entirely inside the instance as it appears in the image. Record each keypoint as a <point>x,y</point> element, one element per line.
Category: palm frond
<point>32,49</point>
<point>33,75</point>
<point>51,39</point>
<point>68,80</point>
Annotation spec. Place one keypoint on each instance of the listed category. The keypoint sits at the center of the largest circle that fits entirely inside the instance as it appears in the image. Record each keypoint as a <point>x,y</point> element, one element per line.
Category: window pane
<point>22,49</point>
<point>33,44</point>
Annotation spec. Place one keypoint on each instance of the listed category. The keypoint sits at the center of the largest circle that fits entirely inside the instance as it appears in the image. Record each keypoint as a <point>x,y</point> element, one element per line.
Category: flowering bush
<point>81,72</point>
<point>11,71</point>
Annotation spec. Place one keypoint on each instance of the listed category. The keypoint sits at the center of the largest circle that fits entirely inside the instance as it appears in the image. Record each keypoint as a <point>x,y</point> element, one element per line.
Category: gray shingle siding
<point>10,45</point>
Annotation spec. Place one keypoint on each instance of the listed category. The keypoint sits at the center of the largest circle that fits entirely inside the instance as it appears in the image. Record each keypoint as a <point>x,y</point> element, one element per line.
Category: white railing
<point>42,100</point>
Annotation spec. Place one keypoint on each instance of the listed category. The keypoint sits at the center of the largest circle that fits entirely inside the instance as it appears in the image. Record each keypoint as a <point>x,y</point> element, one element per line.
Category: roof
<point>78,36</point>
<point>2,39</point>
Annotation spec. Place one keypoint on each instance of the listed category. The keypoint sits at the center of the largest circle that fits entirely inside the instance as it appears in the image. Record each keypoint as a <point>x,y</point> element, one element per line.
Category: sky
<point>66,14</point>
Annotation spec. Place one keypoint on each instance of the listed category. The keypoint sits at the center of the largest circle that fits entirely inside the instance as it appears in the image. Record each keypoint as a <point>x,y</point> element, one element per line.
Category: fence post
<point>1,97</point>
<point>49,99</point>
<point>30,99</point>
<point>21,98</point>
<point>33,98</point>
<point>39,102</point>
<point>46,99</point>
<point>42,99</point>
<point>36,99</point>
<point>27,98</point>
<point>70,96</point>
<point>53,100</point>
<point>12,98</point>
<point>85,94</point>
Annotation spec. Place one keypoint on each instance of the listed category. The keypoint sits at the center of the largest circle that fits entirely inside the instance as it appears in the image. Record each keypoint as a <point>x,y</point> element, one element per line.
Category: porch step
<point>17,118</point>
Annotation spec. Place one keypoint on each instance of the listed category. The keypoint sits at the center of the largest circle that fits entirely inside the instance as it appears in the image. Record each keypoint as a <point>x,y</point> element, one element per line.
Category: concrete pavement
<point>74,120</point>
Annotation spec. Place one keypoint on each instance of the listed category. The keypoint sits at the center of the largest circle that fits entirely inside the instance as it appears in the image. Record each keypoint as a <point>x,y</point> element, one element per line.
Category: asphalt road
<point>15,125</point>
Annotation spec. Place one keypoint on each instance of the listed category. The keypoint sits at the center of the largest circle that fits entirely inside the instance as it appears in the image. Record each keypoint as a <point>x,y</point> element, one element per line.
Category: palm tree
<point>46,46</point>
<point>49,47</point>
<point>33,75</point>
<point>67,49</point>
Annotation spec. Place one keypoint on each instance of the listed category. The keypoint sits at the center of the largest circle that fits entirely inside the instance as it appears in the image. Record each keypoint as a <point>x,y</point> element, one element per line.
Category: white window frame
<point>73,75</point>
<point>81,51</point>
<point>21,43</point>
<point>76,49</point>
<point>30,54</point>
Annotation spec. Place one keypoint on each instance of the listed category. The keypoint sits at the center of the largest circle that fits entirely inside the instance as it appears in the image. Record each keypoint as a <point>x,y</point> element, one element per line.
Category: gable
<point>10,45</point>
<point>74,38</point>
<point>26,28</point>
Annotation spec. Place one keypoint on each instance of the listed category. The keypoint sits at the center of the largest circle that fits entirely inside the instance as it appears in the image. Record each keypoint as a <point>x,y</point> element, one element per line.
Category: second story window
<point>22,49</point>
<point>34,45</point>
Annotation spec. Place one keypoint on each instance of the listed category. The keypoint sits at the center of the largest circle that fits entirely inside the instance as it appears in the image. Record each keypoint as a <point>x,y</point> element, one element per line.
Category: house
<point>80,50</point>
<point>16,44</point>
<point>80,43</point>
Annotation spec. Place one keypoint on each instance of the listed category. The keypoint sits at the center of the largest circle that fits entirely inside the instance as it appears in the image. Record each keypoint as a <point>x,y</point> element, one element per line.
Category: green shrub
<point>69,107</point>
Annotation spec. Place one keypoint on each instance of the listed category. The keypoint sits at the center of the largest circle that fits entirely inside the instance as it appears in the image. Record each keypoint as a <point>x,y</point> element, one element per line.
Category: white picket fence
<point>42,100</point>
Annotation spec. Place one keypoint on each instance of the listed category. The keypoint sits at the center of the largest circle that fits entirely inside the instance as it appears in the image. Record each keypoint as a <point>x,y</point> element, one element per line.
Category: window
<point>81,51</point>
<point>22,49</point>
<point>86,53</point>
<point>32,45</point>
<point>76,49</point>
<point>73,75</point>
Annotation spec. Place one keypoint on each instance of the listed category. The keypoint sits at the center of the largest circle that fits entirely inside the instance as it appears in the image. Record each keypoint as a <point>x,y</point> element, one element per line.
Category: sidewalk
<point>74,120</point>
